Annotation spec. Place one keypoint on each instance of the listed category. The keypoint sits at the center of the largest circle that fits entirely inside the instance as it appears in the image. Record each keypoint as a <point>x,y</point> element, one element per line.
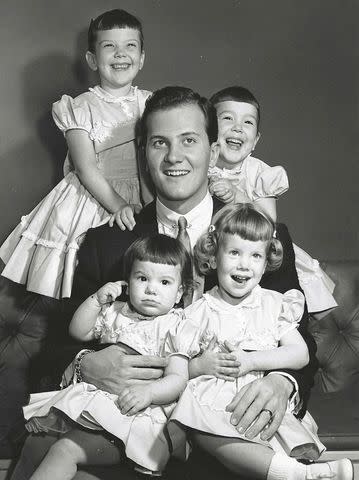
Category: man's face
<point>178,153</point>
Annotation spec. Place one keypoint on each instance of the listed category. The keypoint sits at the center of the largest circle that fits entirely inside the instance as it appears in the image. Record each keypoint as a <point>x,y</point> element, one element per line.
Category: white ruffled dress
<point>41,251</point>
<point>144,434</point>
<point>255,179</point>
<point>257,323</point>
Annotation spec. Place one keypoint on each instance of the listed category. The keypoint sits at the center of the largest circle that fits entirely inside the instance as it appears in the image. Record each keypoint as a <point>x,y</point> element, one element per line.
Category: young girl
<point>240,177</point>
<point>260,327</point>
<point>101,175</point>
<point>158,271</point>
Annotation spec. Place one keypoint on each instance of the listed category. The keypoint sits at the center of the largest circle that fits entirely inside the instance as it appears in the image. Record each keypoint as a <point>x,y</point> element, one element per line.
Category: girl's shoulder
<point>74,112</point>
<point>290,304</point>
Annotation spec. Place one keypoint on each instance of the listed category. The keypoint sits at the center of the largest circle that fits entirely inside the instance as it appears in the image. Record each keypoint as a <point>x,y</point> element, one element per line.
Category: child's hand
<point>244,359</point>
<point>222,189</point>
<point>109,292</point>
<point>220,365</point>
<point>125,216</point>
<point>133,399</point>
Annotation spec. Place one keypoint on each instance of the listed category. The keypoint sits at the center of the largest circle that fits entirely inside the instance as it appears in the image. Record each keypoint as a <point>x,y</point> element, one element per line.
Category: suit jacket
<point>100,261</point>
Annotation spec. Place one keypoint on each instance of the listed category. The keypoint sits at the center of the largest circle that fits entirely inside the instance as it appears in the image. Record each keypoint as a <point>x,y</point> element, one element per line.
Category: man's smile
<point>175,173</point>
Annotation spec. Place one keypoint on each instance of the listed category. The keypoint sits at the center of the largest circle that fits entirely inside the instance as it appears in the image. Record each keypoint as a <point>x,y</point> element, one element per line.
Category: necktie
<point>183,237</point>
<point>182,234</point>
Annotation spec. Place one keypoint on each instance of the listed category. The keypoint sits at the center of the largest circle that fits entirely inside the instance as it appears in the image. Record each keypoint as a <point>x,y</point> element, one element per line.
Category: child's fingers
<point>128,219</point>
<point>212,343</point>
<point>225,377</point>
<point>120,223</point>
<point>229,371</point>
<point>112,220</point>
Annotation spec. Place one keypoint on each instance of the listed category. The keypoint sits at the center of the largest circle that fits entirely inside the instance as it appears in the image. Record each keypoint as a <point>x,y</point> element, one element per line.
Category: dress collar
<point>107,97</point>
<point>217,303</point>
<point>194,217</point>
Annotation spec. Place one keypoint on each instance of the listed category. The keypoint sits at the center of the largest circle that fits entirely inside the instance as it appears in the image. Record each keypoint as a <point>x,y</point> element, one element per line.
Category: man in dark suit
<point>178,132</point>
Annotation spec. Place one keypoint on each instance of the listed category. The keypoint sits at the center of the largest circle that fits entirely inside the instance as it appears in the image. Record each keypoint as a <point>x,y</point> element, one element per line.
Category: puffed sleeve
<point>292,309</point>
<point>183,338</point>
<point>69,113</point>
<point>270,182</point>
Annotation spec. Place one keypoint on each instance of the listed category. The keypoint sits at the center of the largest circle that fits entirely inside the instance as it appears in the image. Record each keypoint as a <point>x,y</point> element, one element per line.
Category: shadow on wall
<point>34,166</point>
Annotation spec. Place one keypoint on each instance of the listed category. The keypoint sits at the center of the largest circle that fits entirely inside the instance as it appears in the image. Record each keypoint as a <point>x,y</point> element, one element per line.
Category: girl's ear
<point>214,153</point>
<point>179,294</point>
<point>256,141</point>
<point>91,60</point>
<point>213,263</point>
<point>142,59</point>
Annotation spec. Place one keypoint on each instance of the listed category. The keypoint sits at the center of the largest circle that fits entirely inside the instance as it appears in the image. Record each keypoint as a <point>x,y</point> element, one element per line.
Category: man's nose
<point>173,154</point>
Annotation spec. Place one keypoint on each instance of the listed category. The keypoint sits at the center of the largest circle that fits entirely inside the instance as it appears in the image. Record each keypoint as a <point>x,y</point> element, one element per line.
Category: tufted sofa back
<point>337,334</point>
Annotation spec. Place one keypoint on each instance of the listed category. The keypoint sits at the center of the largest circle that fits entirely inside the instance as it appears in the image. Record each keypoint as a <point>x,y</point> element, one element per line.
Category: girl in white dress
<point>158,270</point>
<point>101,174</point>
<point>240,177</point>
<point>259,327</point>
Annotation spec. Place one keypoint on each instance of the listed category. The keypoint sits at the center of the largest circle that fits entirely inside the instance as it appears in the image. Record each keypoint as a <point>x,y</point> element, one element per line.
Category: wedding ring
<point>269,411</point>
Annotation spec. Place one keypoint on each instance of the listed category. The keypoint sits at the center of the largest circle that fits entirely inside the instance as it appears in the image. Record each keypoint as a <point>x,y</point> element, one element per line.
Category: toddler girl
<point>240,177</point>
<point>158,270</point>
<point>101,174</point>
<point>260,327</point>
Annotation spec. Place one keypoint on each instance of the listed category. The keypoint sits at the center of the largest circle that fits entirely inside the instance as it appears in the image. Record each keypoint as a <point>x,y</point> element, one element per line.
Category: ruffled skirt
<point>317,286</point>
<point>41,251</point>
<point>144,434</point>
<point>202,407</point>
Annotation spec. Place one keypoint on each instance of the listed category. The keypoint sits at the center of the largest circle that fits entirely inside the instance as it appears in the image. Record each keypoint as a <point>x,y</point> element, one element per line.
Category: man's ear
<point>179,294</point>
<point>214,153</point>
<point>91,60</point>
<point>213,263</point>
<point>256,141</point>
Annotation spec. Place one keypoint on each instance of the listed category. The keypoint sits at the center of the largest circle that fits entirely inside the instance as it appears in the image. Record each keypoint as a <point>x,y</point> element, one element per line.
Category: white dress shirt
<point>198,219</point>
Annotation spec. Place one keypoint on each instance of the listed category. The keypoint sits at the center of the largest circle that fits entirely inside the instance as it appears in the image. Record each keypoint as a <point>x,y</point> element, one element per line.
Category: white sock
<point>283,467</point>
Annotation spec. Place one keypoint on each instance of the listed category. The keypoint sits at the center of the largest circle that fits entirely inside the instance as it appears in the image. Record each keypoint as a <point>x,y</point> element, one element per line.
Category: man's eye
<point>108,45</point>
<point>189,141</point>
<point>233,252</point>
<point>142,278</point>
<point>158,143</point>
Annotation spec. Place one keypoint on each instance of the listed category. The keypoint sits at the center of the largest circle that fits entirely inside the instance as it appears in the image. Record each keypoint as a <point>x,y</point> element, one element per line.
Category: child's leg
<point>77,447</point>
<point>252,460</point>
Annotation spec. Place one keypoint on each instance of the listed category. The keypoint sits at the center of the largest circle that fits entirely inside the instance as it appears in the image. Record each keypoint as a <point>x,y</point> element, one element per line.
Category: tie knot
<point>182,224</point>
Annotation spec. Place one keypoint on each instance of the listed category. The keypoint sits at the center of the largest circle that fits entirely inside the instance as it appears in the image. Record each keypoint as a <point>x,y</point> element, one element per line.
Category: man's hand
<point>125,217</point>
<point>135,398</point>
<point>112,370</point>
<point>268,393</point>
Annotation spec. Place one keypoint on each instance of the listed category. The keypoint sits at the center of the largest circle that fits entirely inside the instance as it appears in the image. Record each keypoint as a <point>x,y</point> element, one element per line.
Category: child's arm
<point>84,319</point>
<point>160,392</point>
<point>83,157</point>
<point>268,205</point>
<point>292,353</point>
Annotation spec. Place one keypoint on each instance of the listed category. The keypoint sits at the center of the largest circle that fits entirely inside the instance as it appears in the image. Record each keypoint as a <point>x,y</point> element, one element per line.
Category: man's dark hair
<point>171,97</point>
<point>112,19</point>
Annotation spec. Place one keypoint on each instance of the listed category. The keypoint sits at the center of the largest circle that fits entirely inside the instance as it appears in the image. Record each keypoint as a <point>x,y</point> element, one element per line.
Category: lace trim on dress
<point>46,243</point>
